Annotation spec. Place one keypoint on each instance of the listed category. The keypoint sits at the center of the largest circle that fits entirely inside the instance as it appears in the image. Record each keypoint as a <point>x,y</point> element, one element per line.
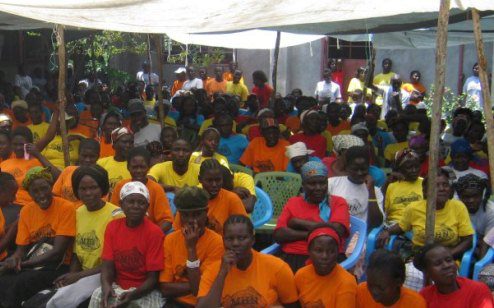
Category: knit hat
<point>191,198</point>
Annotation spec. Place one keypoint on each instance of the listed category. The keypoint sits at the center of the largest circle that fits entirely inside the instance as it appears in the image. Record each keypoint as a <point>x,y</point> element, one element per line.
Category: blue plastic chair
<point>263,209</point>
<point>171,198</point>
<point>479,265</point>
<point>468,259</point>
<point>372,242</point>
<point>356,225</point>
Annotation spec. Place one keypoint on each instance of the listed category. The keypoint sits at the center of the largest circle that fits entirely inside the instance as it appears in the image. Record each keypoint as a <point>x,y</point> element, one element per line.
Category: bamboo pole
<point>159,48</point>
<point>441,50</point>
<point>274,76</point>
<point>477,31</point>
<point>62,69</point>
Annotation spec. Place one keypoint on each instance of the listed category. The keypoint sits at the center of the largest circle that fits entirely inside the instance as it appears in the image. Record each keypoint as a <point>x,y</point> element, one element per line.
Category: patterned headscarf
<point>119,132</point>
<point>470,181</point>
<point>36,173</point>
<point>405,155</point>
<point>344,142</point>
<point>313,168</point>
<point>134,188</point>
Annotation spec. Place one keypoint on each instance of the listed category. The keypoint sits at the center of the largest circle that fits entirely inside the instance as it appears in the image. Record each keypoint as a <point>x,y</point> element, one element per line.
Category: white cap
<point>134,188</point>
<point>421,105</point>
<point>180,70</point>
<point>297,149</point>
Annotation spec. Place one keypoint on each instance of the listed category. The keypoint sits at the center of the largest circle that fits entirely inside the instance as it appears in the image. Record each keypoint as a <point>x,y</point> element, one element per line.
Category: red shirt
<point>338,78</point>
<point>263,95</point>
<point>135,251</point>
<point>317,143</point>
<point>424,167</point>
<point>471,293</point>
<point>297,207</point>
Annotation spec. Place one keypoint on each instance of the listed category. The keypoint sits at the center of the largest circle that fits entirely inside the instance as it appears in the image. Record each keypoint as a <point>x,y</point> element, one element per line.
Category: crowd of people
<point>153,209</point>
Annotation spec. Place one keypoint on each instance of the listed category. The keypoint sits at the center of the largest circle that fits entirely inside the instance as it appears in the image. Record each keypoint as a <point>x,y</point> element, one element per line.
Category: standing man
<point>192,82</point>
<point>237,87</point>
<point>327,91</point>
<point>23,81</point>
<point>144,75</point>
<point>179,82</point>
<point>383,80</point>
<point>473,90</point>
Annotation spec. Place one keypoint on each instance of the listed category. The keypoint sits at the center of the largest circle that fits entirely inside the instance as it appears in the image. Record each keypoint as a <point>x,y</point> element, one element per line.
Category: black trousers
<point>18,287</point>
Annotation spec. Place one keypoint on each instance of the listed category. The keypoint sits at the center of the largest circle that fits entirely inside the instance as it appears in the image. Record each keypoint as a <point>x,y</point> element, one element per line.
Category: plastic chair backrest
<point>356,226</point>
<point>280,186</point>
<point>486,260</point>
<point>171,198</point>
<point>240,168</point>
<point>263,209</point>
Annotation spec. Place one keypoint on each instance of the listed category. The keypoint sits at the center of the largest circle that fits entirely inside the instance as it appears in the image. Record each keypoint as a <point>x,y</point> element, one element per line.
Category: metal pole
<point>441,50</point>
<point>62,69</point>
<point>484,81</point>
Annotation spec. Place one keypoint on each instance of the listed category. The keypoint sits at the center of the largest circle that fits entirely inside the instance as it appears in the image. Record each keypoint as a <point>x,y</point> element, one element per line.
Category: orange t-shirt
<point>12,155</point>
<point>106,149</point>
<point>159,209</point>
<point>335,130</point>
<point>86,119</point>
<point>63,186</point>
<point>225,204</point>
<point>263,158</point>
<point>177,85</point>
<point>18,167</point>
<point>338,289</point>
<point>214,86</point>
<point>209,249</point>
<point>3,254</point>
<point>267,281</point>
<point>16,123</point>
<point>82,130</point>
<point>408,299</point>
<point>36,223</point>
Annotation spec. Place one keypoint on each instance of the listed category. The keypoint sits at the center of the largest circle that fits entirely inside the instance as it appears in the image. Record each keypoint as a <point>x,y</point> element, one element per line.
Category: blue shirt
<point>378,175</point>
<point>233,147</point>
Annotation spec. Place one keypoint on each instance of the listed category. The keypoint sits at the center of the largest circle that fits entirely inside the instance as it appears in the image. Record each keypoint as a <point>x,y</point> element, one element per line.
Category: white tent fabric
<point>251,39</point>
<point>199,16</point>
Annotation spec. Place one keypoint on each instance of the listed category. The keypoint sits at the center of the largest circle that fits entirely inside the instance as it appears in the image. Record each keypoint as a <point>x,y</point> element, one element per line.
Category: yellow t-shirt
<point>164,174</point>
<point>90,233</point>
<point>237,89</point>
<point>197,158</point>
<point>117,170</point>
<point>452,222</point>
<point>54,152</point>
<point>241,179</point>
<point>209,122</point>
<point>356,84</point>
<point>329,140</point>
<point>392,149</point>
<point>382,81</point>
<point>399,196</point>
<point>38,130</point>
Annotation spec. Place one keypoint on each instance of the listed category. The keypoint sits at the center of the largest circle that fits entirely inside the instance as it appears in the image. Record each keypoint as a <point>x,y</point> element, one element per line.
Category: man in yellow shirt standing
<point>235,87</point>
<point>383,80</point>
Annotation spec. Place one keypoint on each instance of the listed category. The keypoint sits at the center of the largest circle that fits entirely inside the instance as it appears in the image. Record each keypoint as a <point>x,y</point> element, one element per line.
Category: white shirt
<point>24,83</point>
<point>356,195</point>
<point>326,90</point>
<point>194,83</point>
<point>144,77</point>
<point>483,221</point>
<point>470,170</point>
<point>473,89</point>
<point>147,134</point>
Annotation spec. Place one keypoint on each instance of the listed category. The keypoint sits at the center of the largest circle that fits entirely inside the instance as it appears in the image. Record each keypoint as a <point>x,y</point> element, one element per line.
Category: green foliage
<point>450,103</point>
<point>199,56</point>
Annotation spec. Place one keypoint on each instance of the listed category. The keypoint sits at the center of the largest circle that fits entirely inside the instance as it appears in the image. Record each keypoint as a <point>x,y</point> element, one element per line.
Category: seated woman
<point>472,190</point>
<point>405,186</point>
<point>111,120</point>
<point>336,163</point>
<point>453,228</point>
<point>45,233</point>
<point>304,213</point>
<point>324,283</point>
<point>132,255</point>
<point>311,134</point>
<point>245,277</point>
<point>208,148</point>
<point>384,286</point>
<point>189,251</point>
<point>90,186</point>
<point>159,211</point>
<point>449,290</point>
<point>222,203</point>
<point>243,185</point>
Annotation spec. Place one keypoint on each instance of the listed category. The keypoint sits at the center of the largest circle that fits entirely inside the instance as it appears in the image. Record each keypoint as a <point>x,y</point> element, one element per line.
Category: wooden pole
<point>62,69</point>
<point>274,75</point>
<point>441,50</point>
<point>484,81</point>
<point>159,47</point>
<point>149,61</point>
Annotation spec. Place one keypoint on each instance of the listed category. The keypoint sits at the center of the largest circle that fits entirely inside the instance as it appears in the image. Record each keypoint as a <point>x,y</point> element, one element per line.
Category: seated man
<point>144,132</point>
<point>178,172</point>
<point>194,246</point>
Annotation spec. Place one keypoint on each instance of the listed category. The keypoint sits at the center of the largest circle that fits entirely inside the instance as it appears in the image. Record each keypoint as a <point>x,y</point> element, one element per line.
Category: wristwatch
<point>193,264</point>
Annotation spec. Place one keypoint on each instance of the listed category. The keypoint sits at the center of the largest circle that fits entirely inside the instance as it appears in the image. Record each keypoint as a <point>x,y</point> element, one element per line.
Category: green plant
<point>450,103</point>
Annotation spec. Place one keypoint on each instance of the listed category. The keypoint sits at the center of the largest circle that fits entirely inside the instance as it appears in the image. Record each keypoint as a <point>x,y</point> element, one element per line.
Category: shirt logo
<point>248,298</point>
<point>45,231</point>
<point>88,241</point>
<point>130,260</point>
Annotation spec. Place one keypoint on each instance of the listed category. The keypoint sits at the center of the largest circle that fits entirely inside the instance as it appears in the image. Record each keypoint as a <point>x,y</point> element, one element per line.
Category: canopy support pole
<point>441,50</point>
<point>149,61</point>
<point>485,89</point>
<point>159,47</point>
<point>62,69</point>
<point>274,76</point>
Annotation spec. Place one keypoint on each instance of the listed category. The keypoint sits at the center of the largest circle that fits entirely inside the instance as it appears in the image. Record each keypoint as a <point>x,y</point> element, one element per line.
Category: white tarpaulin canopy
<point>251,39</point>
<point>199,16</point>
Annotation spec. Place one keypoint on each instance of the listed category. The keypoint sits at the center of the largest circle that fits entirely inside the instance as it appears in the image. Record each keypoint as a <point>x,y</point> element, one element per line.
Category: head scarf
<point>313,168</point>
<point>134,188</point>
<point>359,126</point>
<point>405,155</point>
<point>306,113</point>
<point>470,181</point>
<point>323,231</point>
<point>344,142</point>
<point>19,103</point>
<point>263,111</point>
<point>36,173</point>
<point>461,146</point>
<point>417,140</point>
<point>111,112</point>
<point>297,149</point>
<point>117,133</point>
